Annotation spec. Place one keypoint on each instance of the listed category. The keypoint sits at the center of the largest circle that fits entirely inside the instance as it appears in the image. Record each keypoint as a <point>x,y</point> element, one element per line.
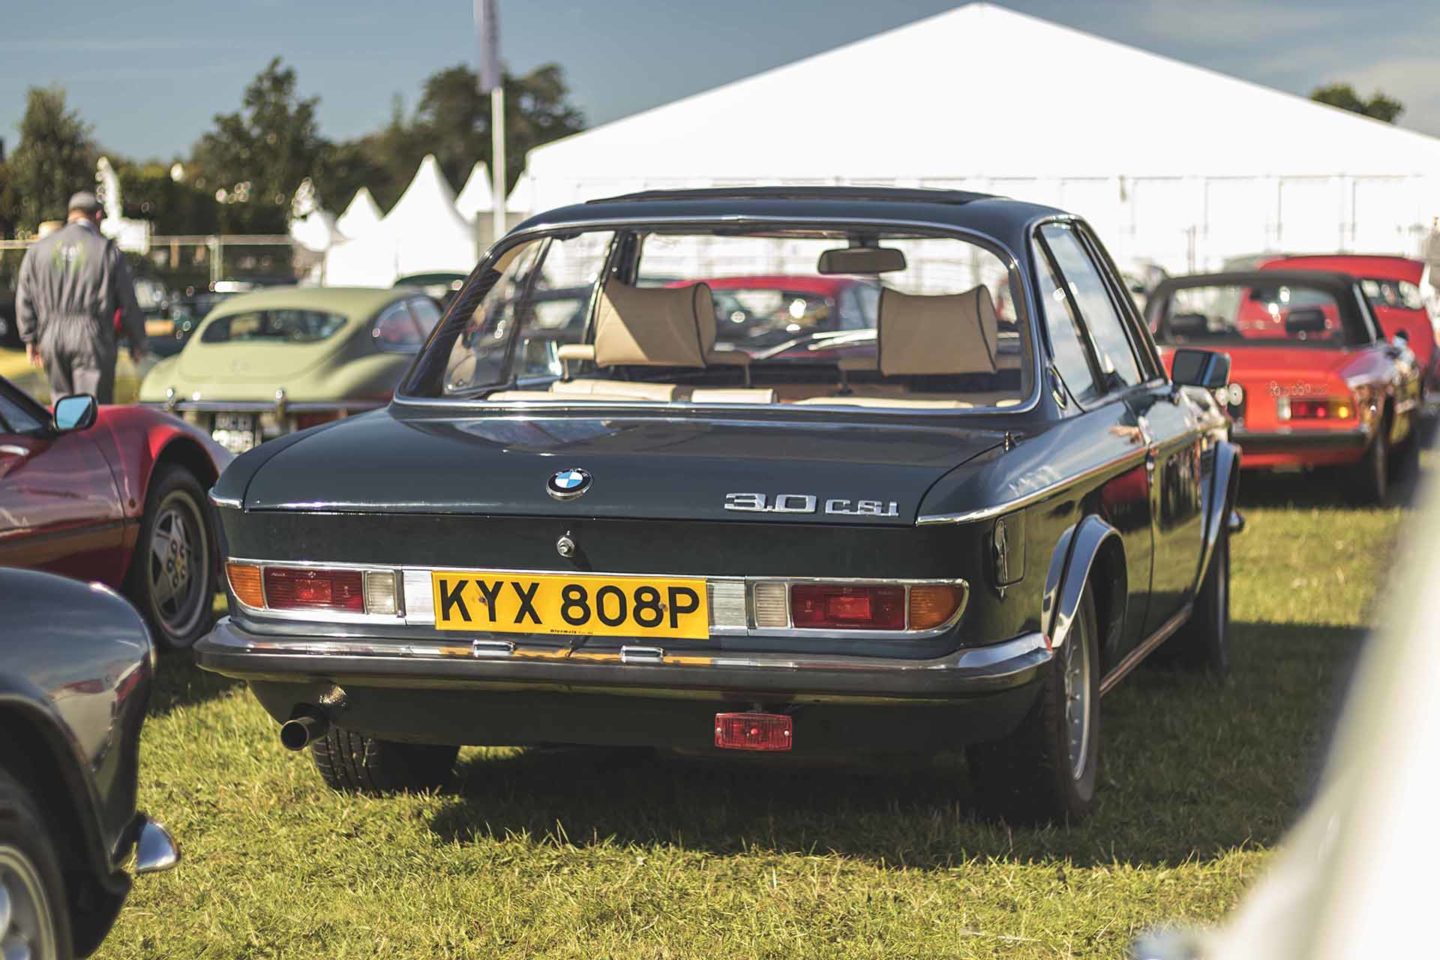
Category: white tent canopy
<point>360,217</point>
<point>422,234</point>
<point>476,197</point>
<point>1170,161</point>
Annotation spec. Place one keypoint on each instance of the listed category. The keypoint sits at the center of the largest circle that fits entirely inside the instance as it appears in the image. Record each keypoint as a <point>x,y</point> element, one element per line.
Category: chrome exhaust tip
<point>299,731</point>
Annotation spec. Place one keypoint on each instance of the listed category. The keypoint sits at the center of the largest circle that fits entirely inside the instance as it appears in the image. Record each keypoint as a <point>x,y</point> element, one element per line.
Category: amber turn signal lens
<point>933,604</point>
<point>245,583</point>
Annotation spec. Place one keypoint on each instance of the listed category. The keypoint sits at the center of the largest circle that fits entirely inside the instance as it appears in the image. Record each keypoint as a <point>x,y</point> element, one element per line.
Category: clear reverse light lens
<point>772,608</point>
<point>380,592</point>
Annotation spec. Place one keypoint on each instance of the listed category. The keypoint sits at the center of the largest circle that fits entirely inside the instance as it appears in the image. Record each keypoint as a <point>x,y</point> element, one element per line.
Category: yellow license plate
<point>607,606</point>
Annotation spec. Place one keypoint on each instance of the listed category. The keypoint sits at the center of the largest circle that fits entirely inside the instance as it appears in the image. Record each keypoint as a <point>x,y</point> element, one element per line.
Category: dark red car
<point>1393,287</point>
<point>1313,382</point>
<point>116,495</point>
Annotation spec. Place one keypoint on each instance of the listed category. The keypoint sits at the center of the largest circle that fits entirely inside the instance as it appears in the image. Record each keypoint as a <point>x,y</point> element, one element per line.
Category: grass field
<point>609,854</point>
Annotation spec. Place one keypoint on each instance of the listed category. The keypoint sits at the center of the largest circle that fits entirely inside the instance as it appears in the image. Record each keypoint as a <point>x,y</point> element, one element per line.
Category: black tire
<point>1029,776</point>
<point>30,875</point>
<point>172,577</point>
<point>1203,643</point>
<point>1369,480</point>
<point>354,763</point>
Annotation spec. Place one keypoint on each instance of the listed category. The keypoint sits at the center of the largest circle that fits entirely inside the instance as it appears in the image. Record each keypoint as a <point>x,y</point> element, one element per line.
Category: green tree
<point>1343,95</point>
<point>452,121</point>
<point>173,206</point>
<point>253,160</point>
<point>54,158</point>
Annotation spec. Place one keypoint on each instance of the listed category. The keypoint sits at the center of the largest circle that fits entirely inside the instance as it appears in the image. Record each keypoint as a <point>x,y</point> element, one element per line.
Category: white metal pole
<point>497,157</point>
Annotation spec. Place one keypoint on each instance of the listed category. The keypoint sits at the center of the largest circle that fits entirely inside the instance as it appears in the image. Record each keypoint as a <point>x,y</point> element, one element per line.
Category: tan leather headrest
<point>654,326</point>
<point>928,335</point>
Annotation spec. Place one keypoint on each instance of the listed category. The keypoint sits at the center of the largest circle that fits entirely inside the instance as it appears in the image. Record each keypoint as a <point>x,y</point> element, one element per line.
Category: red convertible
<point>1313,382</point>
<point>1393,287</point>
<point>116,495</point>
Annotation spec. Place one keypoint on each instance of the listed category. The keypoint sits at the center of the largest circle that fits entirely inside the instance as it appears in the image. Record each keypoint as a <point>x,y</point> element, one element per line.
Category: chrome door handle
<point>14,450</point>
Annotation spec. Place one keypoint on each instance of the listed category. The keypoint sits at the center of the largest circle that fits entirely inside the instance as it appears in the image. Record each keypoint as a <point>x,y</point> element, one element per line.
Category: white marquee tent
<point>475,197</point>
<point>362,215</point>
<point>1171,162</point>
<point>422,233</point>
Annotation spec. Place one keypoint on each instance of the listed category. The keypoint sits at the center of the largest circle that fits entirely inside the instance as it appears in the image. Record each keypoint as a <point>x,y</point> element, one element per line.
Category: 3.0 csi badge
<point>568,484</point>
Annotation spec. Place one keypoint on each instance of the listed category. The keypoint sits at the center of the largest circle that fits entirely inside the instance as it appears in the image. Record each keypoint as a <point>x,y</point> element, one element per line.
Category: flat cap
<point>84,201</point>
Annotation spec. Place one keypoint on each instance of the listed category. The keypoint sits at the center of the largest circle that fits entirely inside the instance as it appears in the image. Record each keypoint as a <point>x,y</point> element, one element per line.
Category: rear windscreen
<point>273,326</point>
<point>1263,313</point>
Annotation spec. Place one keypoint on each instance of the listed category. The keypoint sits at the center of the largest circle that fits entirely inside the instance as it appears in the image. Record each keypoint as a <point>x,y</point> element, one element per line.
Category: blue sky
<point>150,74</point>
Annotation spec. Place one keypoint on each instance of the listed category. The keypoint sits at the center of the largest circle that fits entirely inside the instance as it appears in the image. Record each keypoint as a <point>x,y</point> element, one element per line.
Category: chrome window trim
<point>1049,490</point>
<point>422,614</point>
<point>1013,269</point>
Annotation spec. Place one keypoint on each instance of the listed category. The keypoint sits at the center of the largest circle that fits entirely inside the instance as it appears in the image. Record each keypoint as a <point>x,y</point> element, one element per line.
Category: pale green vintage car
<point>266,363</point>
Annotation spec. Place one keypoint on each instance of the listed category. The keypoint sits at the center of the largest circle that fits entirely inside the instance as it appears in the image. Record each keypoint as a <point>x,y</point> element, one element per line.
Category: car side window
<point>1097,309</point>
<point>426,314</point>
<point>396,330</point>
<point>1066,338</point>
<point>15,418</point>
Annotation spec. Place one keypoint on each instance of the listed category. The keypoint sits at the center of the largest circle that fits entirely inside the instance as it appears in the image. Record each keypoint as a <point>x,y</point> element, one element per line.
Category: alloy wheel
<point>1077,700</point>
<point>25,919</point>
<point>175,564</point>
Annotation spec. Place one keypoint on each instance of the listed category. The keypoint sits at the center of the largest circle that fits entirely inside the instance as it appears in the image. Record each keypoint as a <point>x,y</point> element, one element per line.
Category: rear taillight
<point>346,590</point>
<point>933,604</point>
<point>847,607</point>
<point>245,583</point>
<point>1314,408</point>
<point>886,607</point>
<point>754,731</point>
<point>290,588</point>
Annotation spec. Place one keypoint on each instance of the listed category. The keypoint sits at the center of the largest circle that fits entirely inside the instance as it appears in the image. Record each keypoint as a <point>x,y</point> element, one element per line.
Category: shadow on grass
<point>180,683</point>
<point>1193,767</point>
<point>1329,487</point>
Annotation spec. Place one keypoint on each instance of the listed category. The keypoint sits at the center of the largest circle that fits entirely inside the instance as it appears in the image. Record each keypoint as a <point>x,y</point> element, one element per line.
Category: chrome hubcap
<point>176,572</point>
<point>25,932</point>
<point>1077,701</point>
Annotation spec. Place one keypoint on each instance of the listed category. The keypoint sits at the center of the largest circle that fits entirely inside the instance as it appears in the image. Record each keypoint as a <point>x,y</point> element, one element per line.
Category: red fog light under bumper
<point>753,731</point>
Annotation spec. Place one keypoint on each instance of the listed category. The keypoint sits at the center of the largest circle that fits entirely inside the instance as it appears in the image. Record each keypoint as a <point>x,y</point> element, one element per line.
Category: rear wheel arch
<point>184,452</point>
<point>1090,552</point>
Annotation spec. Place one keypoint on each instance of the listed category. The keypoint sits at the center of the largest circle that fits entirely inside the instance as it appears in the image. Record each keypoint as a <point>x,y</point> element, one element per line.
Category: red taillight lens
<point>291,589</point>
<point>753,731</point>
<point>1310,408</point>
<point>838,607</point>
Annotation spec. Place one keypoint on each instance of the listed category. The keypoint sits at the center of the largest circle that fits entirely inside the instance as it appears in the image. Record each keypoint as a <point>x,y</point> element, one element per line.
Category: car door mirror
<point>75,412</point>
<point>1200,368</point>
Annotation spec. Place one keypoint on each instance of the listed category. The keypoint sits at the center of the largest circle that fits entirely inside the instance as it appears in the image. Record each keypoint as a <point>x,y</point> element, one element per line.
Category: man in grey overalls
<point>71,285</point>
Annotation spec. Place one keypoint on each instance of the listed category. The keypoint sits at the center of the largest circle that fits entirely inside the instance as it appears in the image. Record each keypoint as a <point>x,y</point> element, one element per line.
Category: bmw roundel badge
<point>568,484</point>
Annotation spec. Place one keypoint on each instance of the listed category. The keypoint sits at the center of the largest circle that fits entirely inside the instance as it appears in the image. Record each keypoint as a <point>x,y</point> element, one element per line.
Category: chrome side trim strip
<point>266,406</point>
<point>1035,496</point>
<point>1132,659</point>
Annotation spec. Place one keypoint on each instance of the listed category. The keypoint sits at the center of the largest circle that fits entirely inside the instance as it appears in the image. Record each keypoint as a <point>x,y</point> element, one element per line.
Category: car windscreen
<point>803,316</point>
<point>1395,294</point>
<point>273,326</point>
<point>1260,313</point>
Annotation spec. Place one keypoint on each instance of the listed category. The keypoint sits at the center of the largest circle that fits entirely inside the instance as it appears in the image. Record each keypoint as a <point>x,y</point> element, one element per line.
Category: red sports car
<point>1313,383</point>
<point>114,494</point>
<point>1393,287</point>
